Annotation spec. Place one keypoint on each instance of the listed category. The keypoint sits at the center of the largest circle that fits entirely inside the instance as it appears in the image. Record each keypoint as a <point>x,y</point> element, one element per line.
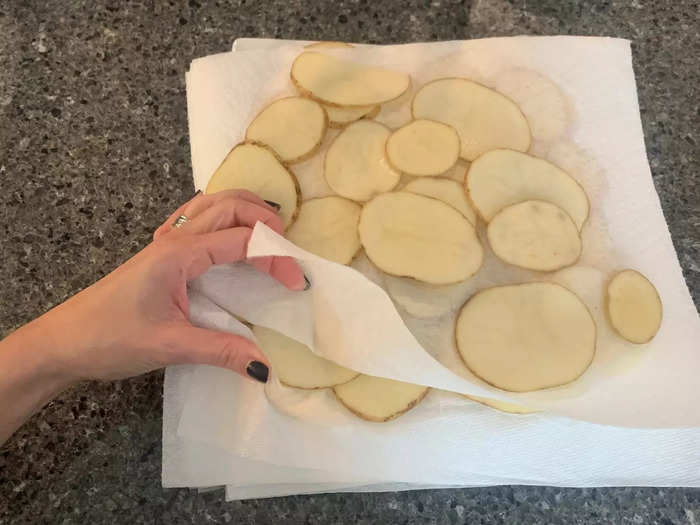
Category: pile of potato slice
<point>519,337</point>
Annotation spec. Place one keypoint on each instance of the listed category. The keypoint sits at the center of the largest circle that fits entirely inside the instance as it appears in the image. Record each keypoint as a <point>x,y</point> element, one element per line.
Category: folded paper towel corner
<point>222,430</point>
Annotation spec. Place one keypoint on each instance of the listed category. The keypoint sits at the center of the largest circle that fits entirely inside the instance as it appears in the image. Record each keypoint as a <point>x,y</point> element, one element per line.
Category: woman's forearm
<point>29,377</point>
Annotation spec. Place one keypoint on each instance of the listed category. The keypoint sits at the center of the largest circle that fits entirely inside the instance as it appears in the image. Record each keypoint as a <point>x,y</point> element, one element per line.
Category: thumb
<point>192,345</point>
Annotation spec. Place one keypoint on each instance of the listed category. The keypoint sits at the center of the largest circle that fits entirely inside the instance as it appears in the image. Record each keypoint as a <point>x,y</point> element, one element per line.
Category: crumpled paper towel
<point>220,410</point>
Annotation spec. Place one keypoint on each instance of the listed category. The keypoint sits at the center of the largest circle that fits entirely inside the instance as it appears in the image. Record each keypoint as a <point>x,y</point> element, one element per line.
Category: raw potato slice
<point>503,177</point>
<point>536,235</point>
<point>634,306</point>
<point>503,406</point>
<point>296,365</point>
<point>339,82</point>
<point>483,118</point>
<point>423,148</point>
<point>377,398</point>
<point>411,235</point>
<point>355,165</point>
<point>254,167</point>
<point>526,337</point>
<point>327,227</point>
<point>339,117</point>
<point>294,127</point>
<point>446,190</point>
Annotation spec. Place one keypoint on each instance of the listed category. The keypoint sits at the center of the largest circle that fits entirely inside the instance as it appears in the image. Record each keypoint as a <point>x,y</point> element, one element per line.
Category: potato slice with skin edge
<point>379,399</point>
<point>296,365</point>
<point>423,148</point>
<point>339,82</point>
<point>327,227</point>
<point>255,167</point>
<point>355,166</point>
<point>634,307</point>
<point>526,337</point>
<point>483,118</point>
<point>293,127</point>
<point>503,406</point>
<point>446,190</point>
<point>503,177</point>
<point>339,117</point>
<point>411,235</point>
<point>535,235</point>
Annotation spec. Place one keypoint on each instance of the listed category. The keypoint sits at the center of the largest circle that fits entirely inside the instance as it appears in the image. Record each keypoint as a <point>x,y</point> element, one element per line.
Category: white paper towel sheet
<point>237,426</point>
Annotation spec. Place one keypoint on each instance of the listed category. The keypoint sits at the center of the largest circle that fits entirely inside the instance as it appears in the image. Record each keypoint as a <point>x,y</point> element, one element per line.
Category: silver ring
<point>180,221</point>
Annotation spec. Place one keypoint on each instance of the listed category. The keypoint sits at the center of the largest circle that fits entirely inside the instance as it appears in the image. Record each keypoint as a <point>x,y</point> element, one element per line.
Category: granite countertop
<point>94,155</point>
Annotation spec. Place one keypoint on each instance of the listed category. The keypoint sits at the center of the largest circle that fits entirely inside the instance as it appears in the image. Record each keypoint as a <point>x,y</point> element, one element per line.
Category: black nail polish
<point>197,193</point>
<point>307,284</point>
<point>274,205</point>
<point>258,371</point>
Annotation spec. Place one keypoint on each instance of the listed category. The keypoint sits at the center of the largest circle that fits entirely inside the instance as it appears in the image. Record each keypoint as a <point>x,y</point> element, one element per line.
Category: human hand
<point>136,318</point>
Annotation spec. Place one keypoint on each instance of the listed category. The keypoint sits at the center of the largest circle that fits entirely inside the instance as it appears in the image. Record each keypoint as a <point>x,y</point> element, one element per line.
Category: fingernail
<point>274,205</point>
<point>307,284</point>
<point>258,371</point>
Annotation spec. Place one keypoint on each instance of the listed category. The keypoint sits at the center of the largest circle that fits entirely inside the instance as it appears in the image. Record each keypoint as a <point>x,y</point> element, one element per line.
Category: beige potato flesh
<point>503,177</point>
<point>483,118</point>
<point>377,398</point>
<point>355,166</point>
<point>340,82</point>
<point>445,190</point>
<point>339,117</point>
<point>526,337</point>
<point>411,235</point>
<point>255,167</point>
<point>536,235</point>
<point>293,127</point>
<point>503,406</point>
<point>423,148</point>
<point>634,307</point>
<point>296,365</point>
<point>327,227</point>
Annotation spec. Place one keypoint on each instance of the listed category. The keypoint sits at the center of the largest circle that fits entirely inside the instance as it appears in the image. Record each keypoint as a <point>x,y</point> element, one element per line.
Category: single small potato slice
<point>293,127</point>
<point>445,190</point>
<point>339,117</point>
<point>423,148</point>
<point>411,235</point>
<point>503,177</point>
<point>483,118</point>
<point>526,337</point>
<point>339,82</point>
<point>327,227</point>
<point>634,307</point>
<point>503,406</point>
<point>536,235</point>
<point>296,365</point>
<point>355,166</point>
<point>377,398</point>
<point>255,167</point>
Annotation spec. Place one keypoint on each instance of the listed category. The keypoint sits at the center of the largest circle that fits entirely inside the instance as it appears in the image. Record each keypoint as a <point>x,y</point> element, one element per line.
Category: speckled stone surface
<point>94,155</point>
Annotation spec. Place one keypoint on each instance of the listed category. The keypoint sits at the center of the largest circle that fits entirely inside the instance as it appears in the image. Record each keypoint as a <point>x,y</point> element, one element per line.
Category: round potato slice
<point>634,307</point>
<point>445,190</point>
<point>255,167</point>
<point>339,117</point>
<point>327,227</point>
<point>355,166</point>
<point>526,337</point>
<point>503,177</point>
<point>293,127</point>
<point>296,365</point>
<point>377,398</point>
<point>411,235</point>
<point>483,118</point>
<point>423,148</point>
<point>339,82</point>
<point>503,406</point>
<point>536,235</point>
